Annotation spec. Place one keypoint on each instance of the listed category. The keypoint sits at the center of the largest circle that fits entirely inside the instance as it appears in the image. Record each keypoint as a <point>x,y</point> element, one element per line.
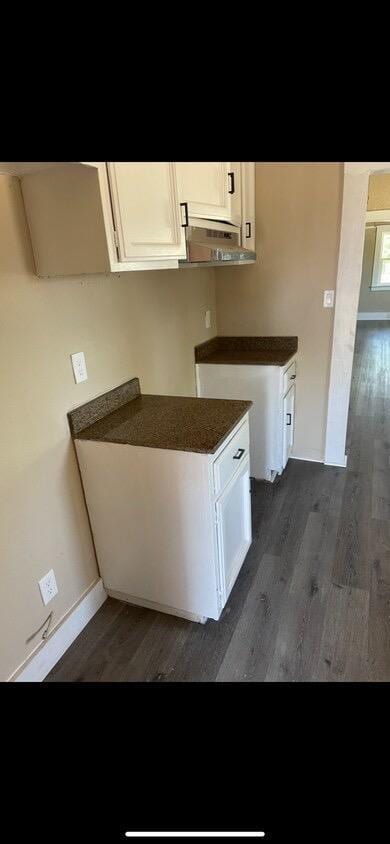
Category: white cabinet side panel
<point>259,384</point>
<point>65,217</point>
<point>152,522</point>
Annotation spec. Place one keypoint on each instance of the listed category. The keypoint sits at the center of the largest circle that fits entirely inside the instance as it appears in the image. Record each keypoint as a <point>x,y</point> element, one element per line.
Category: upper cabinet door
<point>146,209</point>
<point>248,205</point>
<point>211,189</point>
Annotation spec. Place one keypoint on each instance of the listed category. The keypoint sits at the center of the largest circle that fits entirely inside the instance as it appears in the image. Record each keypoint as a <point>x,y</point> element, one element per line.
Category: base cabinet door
<point>234,528</point>
<point>288,424</point>
<point>212,189</point>
<point>146,209</point>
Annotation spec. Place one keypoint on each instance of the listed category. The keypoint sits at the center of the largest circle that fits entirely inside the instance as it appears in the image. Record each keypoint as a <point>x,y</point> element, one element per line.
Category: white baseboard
<point>313,460</point>
<point>378,316</point>
<point>38,666</point>
<point>152,605</point>
<point>340,465</point>
<point>307,459</point>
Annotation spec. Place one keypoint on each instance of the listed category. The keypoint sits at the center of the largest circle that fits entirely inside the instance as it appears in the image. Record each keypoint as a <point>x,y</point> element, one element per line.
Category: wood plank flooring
<point>312,601</point>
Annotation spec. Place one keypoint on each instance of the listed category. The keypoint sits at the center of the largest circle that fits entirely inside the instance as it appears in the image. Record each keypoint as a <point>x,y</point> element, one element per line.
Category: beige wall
<point>378,192</point>
<point>374,301</point>
<point>143,324</point>
<point>298,210</point>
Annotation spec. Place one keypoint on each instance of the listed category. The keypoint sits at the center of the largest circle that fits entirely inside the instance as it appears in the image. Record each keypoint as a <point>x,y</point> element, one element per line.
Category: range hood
<point>214,244</point>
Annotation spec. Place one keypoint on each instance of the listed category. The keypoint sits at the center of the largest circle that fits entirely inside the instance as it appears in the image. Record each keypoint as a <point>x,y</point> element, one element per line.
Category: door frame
<point>353,220</point>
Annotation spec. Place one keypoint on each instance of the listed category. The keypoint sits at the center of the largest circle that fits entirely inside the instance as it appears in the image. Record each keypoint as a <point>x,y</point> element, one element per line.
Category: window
<point>381,269</point>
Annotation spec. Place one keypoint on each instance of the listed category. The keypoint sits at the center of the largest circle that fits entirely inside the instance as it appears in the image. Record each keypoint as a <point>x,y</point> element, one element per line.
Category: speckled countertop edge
<point>95,409</point>
<point>272,350</point>
<point>177,423</point>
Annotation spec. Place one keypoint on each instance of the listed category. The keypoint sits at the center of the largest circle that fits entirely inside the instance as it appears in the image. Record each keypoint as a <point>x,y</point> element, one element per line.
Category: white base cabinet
<point>272,416</point>
<point>171,528</point>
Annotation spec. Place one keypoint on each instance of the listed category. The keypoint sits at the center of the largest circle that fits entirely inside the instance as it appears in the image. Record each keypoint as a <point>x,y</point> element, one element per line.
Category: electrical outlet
<point>79,367</point>
<point>48,586</point>
<point>207,319</point>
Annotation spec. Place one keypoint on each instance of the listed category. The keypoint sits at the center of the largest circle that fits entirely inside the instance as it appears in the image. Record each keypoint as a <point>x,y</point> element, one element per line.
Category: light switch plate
<point>79,367</point>
<point>328,298</point>
<point>207,319</point>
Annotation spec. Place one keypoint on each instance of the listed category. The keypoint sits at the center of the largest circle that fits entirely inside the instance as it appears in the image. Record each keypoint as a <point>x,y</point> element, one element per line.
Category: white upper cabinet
<point>104,217</point>
<point>146,210</point>
<point>248,238</point>
<point>97,217</point>
<point>212,189</point>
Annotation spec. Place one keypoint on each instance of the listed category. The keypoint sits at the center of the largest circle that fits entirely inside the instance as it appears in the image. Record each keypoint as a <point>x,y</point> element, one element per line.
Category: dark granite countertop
<point>264,351</point>
<point>170,422</point>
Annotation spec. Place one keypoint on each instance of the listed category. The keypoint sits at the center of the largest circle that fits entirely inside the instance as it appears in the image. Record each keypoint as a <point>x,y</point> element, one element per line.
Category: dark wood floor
<point>312,601</point>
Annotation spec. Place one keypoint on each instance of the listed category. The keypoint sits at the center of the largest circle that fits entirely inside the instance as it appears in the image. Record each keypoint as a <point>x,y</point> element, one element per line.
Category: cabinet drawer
<point>231,458</point>
<point>289,377</point>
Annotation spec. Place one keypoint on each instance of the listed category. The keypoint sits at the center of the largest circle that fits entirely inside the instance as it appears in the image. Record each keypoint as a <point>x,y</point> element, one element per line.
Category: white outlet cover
<point>48,586</point>
<point>207,319</point>
<point>79,367</point>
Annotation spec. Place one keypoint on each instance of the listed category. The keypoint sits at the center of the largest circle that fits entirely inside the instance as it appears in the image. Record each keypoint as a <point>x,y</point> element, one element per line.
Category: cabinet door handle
<point>288,418</point>
<point>248,229</point>
<point>185,206</point>
<point>239,454</point>
<point>232,187</point>
<point>292,377</point>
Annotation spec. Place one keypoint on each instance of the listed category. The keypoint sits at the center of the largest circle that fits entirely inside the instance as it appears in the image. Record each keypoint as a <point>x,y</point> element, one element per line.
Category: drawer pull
<point>239,454</point>
<point>289,418</point>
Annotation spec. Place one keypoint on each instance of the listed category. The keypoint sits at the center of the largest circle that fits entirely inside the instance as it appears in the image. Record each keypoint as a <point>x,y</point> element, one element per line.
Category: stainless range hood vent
<point>213,247</point>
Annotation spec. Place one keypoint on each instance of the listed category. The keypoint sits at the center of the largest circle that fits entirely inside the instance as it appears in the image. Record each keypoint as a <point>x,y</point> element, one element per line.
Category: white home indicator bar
<point>194,834</point>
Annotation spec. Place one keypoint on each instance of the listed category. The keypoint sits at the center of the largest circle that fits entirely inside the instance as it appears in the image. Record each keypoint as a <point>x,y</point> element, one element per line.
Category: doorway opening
<point>367,432</point>
<point>374,298</point>
<point>352,236</point>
